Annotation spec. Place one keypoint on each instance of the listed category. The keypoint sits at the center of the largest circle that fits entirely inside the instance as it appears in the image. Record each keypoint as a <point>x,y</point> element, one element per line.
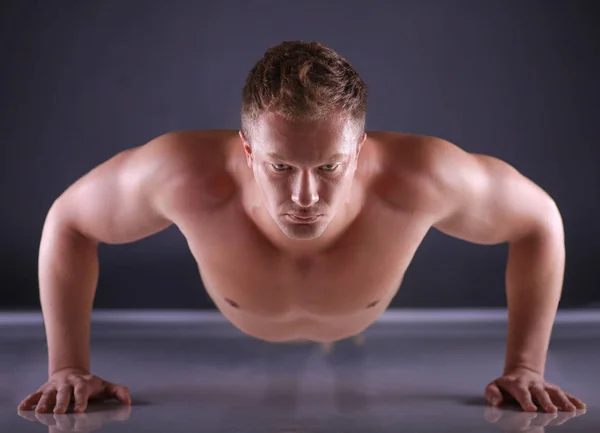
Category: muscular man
<point>302,225</point>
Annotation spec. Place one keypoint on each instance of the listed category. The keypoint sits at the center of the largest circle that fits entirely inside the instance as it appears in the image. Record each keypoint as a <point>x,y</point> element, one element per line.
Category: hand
<point>528,387</point>
<point>73,384</point>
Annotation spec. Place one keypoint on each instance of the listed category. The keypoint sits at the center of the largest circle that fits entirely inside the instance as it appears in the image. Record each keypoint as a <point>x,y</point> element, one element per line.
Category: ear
<point>360,144</point>
<point>247,148</point>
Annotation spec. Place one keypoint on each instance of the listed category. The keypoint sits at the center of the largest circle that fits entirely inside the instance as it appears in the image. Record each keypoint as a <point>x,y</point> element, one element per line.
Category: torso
<point>324,296</point>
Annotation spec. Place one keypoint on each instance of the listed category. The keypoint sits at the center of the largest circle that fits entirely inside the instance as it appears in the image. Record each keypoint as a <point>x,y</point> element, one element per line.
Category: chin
<point>302,232</point>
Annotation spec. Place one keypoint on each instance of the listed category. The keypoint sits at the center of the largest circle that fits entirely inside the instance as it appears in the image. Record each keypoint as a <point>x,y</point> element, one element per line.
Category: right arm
<point>117,202</point>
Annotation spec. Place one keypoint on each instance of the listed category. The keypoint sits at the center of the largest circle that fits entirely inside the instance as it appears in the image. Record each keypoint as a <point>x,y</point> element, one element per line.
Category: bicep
<point>115,202</point>
<point>487,201</point>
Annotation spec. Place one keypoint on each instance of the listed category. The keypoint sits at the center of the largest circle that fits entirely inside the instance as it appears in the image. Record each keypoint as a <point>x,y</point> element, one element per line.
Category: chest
<point>363,268</point>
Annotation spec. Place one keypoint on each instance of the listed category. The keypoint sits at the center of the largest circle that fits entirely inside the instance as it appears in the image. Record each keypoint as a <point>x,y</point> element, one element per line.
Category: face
<point>304,170</point>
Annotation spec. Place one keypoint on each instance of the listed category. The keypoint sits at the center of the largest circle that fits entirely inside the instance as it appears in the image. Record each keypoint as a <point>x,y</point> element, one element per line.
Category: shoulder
<point>415,152</point>
<point>190,167</point>
<point>420,170</point>
<point>178,150</point>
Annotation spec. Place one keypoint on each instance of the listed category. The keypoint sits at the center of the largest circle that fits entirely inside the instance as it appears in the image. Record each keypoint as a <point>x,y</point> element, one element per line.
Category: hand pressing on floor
<point>527,388</point>
<point>73,385</point>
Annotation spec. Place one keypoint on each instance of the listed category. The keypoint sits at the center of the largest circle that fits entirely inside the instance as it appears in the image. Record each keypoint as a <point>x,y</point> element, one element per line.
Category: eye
<point>329,167</point>
<point>279,167</point>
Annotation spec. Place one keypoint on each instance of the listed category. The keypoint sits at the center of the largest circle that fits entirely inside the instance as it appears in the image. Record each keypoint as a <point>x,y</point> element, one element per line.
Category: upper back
<point>140,191</point>
<point>405,176</point>
<point>211,167</point>
<point>143,190</point>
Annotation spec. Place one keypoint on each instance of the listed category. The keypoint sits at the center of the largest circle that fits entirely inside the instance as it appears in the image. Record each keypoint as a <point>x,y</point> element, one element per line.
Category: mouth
<point>302,219</point>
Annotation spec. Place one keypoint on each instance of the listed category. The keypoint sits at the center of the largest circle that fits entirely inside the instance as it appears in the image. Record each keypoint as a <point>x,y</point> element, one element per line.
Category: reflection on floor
<point>196,373</point>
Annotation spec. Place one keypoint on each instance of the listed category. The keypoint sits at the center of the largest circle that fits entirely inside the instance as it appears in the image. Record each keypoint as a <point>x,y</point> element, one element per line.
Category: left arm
<point>484,200</point>
<point>487,201</point>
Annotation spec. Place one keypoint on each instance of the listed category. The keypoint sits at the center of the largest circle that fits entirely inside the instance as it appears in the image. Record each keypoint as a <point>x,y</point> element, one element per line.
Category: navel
<point>232,303</point>
<point>372,304</point>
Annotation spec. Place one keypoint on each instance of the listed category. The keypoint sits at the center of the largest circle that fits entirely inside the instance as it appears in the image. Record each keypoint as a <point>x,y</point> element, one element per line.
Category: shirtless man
<point>302,226</point>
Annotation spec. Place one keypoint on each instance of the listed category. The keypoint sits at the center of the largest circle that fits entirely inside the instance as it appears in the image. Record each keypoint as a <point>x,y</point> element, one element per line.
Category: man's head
<point>303,121</point>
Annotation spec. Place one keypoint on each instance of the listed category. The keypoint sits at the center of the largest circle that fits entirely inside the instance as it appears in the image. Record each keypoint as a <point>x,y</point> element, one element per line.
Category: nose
<point>304,193</point>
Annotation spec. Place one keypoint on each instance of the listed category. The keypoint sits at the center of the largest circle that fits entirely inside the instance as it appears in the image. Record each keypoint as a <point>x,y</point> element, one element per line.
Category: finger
<point>81,398</point>
<point>523,396</point>
<point>119,392</point>
<point>63,398</point>
<point>543,399</point>
<point>577,402</point>
<point>46,401</point>
<point>31,400</point>
<point>561,400</point>
<point>493,394</point>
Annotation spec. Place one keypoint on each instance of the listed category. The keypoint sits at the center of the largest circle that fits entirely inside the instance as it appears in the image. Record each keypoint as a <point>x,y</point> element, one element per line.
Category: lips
<point>303,218</point>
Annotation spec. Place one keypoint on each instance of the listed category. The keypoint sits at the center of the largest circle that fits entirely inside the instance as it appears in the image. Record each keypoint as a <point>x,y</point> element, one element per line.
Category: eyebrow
<point>336,156</point>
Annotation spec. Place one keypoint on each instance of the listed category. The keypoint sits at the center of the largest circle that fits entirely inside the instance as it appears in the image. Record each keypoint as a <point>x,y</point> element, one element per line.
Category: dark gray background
<point>81,81</point>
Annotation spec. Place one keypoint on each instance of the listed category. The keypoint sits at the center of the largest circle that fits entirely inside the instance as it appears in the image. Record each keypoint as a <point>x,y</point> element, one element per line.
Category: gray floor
<point>196,373</point>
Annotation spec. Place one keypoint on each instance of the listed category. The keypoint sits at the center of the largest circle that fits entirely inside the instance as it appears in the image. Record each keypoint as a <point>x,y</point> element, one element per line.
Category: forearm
<point>68,275</point>
<point>534,279</point>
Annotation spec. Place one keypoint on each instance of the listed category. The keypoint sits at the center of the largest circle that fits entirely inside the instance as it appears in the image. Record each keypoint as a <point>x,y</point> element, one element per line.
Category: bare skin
<point>280,279</point>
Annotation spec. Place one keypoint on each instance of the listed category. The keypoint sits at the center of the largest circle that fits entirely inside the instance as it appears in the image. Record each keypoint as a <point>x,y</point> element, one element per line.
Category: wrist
<point>68,369</point>
<point>513,367</point>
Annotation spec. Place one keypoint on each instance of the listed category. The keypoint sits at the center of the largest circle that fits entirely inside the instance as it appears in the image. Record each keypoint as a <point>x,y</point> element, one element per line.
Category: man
<point>302,225</point>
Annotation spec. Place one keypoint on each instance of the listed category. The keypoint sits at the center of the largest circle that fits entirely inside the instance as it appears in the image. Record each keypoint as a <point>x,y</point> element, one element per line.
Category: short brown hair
<point>303,81</point>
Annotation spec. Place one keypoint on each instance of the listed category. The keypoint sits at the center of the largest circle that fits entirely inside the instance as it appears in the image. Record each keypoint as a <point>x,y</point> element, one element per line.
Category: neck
<point>298,248</point>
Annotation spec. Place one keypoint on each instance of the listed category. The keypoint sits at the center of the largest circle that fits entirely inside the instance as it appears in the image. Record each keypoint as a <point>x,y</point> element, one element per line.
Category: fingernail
<point>494,401</point>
